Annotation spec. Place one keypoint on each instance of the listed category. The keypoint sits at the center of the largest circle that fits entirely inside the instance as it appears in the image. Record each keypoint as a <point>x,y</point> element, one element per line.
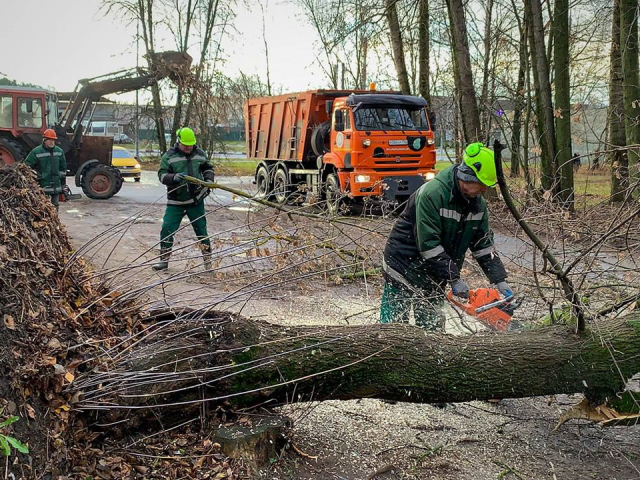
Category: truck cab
<point>381,145</point>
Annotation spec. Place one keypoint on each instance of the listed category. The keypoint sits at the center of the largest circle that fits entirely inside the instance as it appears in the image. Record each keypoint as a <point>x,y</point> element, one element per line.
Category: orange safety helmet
<point>49,133</point>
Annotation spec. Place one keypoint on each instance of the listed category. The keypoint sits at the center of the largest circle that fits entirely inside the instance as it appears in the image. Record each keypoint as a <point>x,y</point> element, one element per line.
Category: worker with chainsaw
<point>183,197</point>
<point>427,245</point>
<point>50,164</point>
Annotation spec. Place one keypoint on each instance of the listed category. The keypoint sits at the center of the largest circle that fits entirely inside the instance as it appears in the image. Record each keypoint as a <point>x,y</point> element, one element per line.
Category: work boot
<point>206,257</point>
<point>163,264</point>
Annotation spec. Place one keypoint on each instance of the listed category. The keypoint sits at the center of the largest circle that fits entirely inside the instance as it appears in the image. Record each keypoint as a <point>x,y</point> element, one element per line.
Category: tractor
<point>25,113</point>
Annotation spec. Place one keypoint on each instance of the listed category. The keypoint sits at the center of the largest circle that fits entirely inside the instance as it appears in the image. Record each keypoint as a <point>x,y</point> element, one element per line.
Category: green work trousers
<point>174,214</point>
<point>398,300</point>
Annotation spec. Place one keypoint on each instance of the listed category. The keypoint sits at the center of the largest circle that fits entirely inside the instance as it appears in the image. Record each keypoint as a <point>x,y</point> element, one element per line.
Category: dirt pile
<point>54,322</point>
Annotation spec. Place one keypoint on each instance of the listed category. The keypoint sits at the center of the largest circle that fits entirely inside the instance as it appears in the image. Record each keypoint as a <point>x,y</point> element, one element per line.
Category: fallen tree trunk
<point>187,362</point>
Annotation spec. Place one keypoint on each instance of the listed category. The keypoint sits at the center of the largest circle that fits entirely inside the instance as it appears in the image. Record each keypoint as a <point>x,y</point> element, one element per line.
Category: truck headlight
<point>137,165</point>
<point>430,141</point>
<point>362,178</point>
<point>366,142</point>
<point>429,176</point>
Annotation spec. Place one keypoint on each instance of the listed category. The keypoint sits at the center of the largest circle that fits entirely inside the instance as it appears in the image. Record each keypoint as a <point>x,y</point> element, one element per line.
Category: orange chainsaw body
<point>494,318</point>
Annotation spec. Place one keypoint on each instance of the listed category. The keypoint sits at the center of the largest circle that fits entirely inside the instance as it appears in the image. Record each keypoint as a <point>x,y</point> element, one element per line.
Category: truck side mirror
<point>339,121</point>
<point>432,120</point>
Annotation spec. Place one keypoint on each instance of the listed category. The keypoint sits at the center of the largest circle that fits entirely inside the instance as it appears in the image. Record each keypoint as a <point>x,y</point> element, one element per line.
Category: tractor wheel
<point>119,179</point>
<point>10,152</point>
<point>320,138</point>
<point>281,190</point>
<point>264,183</point>
<point>99,182</point>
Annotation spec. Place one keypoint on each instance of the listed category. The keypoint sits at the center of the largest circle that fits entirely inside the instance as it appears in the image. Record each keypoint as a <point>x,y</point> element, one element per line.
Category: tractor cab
<point>25,113</point>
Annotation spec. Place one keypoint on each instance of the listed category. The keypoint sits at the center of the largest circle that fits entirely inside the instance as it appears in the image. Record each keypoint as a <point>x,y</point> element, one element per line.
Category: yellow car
<point>126,162</point>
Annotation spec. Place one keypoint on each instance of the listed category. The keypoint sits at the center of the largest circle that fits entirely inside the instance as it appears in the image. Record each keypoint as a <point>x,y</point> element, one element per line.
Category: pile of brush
<point>55,322</point>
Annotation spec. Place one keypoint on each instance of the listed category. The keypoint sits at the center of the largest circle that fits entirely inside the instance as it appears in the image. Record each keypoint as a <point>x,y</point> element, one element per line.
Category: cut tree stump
<point>257,441</point>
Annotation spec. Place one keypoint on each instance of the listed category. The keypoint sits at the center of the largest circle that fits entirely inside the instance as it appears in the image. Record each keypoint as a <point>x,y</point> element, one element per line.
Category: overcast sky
<point>55,43</point>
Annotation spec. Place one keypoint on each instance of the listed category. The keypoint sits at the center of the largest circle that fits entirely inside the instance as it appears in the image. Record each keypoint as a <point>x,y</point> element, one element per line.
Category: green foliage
<point>7,442</point>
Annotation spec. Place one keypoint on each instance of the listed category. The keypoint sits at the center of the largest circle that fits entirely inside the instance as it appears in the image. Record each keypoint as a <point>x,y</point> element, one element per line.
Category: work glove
<point>504,289</point>
<point>178,177</point>
<point>460,288</point>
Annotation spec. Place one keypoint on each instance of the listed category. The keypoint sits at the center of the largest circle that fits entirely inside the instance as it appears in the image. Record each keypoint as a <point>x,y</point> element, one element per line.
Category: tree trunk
<point>397,46</point>
<point>631,80</point>
<point>145,13</point>
<point>544,106</point>
<point>210,22</point>
<point>519,100</point>
<point>248,362</point>
<point>617,140</point>
<point>464,75</point>
<point>423,51</point>
<point>486,105</point>
<point>563,104</point>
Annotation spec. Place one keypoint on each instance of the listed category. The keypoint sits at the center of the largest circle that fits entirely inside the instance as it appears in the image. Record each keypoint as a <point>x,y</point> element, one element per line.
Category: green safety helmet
<point>480,159</point>
<point>186,136</point>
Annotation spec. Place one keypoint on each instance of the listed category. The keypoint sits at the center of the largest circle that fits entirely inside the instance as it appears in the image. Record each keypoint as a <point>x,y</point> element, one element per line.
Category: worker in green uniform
<point>49,162</point>
<point>427,245</point>
<point>184,198</point>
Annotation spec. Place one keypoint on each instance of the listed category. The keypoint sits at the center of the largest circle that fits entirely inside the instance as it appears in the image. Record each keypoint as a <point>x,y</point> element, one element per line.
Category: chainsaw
<point>490,308</point>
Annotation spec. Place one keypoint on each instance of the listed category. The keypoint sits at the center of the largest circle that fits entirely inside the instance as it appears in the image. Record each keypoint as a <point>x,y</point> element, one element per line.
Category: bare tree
<point>617,140</point>
<point>463,74</point>
<point>631,79</point>
<point>423,48</point>
<point>544,105</point>
<point>563,103</point>
<point>397,46</point>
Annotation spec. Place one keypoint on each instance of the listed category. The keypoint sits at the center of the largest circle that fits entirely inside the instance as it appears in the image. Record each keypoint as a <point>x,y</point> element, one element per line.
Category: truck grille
<point>397,168</point>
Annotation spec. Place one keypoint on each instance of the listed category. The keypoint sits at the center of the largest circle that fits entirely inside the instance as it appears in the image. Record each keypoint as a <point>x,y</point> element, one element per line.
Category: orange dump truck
<point>337,144</point>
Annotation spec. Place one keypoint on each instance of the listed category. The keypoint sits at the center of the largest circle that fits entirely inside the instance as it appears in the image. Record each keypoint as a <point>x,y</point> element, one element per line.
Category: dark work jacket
<point>51,166</point>
<point>429,241</point>
<point>195,165</point>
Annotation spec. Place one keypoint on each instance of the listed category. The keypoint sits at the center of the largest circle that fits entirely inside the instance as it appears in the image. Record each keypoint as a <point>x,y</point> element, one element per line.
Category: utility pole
<point>137,118</point>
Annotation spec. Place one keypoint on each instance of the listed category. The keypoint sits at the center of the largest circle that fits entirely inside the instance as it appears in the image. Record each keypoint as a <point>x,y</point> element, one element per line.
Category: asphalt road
<point>149,190</point>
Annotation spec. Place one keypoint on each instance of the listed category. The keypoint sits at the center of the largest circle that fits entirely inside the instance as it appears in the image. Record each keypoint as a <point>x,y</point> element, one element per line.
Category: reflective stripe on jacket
<point>51,166</point>
<point>429,241</point>
<point>195,165</point>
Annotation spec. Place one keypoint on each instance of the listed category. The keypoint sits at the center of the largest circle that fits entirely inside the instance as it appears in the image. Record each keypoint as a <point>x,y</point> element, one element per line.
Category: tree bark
<point>563,104</point>
<point>145,13</point>
<point>397,46</point>
<point>248,362</point>
<point>544,105</point>
<point>618,156</point>
<point>423,51</point>
<point>462,71</point>
<point>485,103</point>
<point>519,99</point>
<point>631,80</point>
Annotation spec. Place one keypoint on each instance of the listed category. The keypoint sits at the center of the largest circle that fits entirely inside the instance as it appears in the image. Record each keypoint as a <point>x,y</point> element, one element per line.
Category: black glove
<point>178,177</point>
<point>460,288</point>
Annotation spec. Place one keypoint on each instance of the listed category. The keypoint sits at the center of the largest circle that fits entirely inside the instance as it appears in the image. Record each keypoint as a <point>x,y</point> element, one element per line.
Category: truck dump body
<point>374,143</point>
<point>280,127</point>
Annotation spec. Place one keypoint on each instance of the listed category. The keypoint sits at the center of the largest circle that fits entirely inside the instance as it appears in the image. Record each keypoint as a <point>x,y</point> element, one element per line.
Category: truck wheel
<point>320,138</point>
<point>281,189</point>
<point>10,152</point>
<point>99,182</point>
<point>332,194</point>
<point>264,183</point>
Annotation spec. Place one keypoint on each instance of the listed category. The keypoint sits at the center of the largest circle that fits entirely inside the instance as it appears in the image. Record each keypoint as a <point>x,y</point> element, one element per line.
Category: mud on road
<point>288,270</point>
